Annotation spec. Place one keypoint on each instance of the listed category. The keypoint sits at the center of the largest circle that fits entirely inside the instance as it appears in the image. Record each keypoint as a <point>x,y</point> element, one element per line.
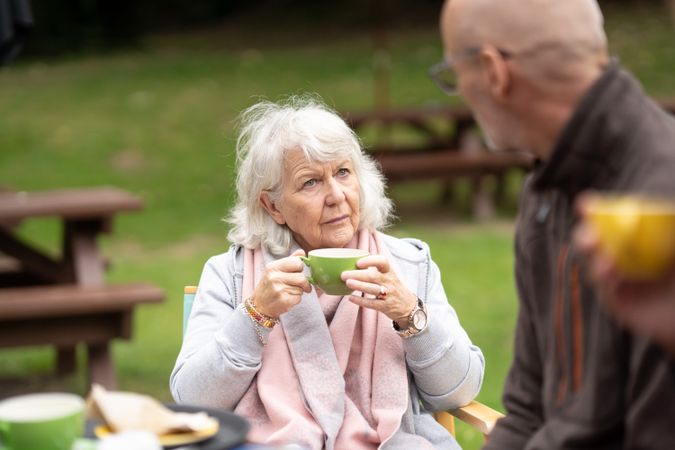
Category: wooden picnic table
<point>64,300</point>
<point>421,119</point>
<point>447,148</point>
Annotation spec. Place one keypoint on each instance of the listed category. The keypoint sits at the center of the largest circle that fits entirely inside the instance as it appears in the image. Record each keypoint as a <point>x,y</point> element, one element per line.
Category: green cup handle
<point>309,278</point>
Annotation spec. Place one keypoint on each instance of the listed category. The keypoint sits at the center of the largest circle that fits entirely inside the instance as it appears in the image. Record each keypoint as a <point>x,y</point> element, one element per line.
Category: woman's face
<point>319,201</point>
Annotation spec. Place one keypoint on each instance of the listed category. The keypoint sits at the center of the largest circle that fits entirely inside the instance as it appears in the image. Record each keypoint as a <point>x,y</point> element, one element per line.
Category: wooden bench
<point>67,315</point>
<point>485,172</point>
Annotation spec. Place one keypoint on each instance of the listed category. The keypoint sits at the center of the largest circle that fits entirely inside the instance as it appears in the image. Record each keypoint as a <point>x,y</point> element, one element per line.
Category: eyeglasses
<point>444,75</point>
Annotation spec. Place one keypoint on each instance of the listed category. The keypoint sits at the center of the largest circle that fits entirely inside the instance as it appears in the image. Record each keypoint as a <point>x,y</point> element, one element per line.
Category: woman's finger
<point>365,287</point>
<point>378,261</point>
<point>370,274</point>
<point>366,302</point>
<point>298,280</point>
<point>289,264</point>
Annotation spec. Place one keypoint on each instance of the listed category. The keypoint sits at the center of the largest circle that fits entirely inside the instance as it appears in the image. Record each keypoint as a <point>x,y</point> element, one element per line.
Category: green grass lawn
<point>158,121</point>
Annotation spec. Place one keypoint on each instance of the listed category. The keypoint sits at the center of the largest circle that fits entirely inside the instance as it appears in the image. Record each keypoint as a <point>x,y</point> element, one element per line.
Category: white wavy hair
<point>268,131</point>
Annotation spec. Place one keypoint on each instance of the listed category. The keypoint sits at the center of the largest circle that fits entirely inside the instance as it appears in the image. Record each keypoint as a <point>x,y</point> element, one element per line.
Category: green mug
<point>327,264</point>
<point>46,421</point>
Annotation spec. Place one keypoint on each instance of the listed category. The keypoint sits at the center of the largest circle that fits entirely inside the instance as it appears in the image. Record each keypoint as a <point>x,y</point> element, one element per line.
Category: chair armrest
<point>477,415</point>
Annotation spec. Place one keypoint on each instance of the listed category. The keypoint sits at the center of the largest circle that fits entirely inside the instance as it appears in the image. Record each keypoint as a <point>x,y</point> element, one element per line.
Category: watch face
<point>419,319</point>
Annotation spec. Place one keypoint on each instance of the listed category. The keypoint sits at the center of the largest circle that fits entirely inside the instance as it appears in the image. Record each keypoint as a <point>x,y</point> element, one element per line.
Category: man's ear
<point>269,206</point>
<point>496,72</point>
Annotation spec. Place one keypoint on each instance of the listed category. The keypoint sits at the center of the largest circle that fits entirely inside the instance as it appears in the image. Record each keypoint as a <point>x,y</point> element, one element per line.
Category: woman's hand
<point>281,286</point>
<point>386,293</point>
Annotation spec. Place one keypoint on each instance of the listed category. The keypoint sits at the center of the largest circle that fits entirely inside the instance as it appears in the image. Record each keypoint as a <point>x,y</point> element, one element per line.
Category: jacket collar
<point>592,145</point>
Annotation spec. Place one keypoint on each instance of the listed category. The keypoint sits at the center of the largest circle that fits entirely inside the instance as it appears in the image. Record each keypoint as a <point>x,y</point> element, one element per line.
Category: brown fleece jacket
<point>578,380</point>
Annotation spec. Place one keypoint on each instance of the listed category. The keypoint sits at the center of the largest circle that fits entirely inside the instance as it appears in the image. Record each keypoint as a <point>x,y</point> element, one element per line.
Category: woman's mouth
<point>336,220</point>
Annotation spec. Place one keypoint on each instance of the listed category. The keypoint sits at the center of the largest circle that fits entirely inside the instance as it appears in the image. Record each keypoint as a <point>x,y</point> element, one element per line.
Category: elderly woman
<point>362,371</point>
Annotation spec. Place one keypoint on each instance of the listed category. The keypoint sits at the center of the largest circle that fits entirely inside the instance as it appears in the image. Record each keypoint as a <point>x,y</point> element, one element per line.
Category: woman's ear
<point>269,206</point>
<point>497,75</point>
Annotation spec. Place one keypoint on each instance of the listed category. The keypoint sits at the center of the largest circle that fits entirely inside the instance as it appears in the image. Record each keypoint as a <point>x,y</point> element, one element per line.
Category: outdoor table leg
<point>500,189</point>
<point>65,360</point>
<point>81,253</point>
<point>100,366</point>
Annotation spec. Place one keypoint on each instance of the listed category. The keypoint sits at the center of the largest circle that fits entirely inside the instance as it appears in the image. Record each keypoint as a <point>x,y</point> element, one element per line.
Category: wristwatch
<point>417,321</point>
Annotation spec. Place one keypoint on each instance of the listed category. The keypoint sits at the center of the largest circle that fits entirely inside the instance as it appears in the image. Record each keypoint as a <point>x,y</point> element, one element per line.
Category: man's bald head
<point>549,30</point>
<point>535,61</point>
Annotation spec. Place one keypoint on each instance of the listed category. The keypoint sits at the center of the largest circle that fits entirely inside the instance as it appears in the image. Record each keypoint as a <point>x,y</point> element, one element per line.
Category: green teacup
<point>49,421</point>
<point>327,265</point>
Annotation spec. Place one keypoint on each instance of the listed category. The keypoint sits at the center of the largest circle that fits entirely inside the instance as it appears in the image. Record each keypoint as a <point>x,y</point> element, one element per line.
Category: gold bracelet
<point>257,316</point>
<point>257,331</point>
<point>256,326</point>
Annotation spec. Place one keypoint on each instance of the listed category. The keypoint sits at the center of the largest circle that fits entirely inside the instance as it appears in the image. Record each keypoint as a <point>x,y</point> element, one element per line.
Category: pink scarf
<point>342,385</point>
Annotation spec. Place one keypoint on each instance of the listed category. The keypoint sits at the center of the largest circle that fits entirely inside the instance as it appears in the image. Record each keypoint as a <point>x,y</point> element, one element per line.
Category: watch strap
<point>411,330</point>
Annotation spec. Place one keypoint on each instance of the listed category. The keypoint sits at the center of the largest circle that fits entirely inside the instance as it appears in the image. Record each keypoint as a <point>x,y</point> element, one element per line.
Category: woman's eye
<point>309,183</point>
<point>343,172</point>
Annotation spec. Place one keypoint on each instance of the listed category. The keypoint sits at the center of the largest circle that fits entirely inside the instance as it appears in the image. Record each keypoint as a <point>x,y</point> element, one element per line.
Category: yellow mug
<point>638,233</point>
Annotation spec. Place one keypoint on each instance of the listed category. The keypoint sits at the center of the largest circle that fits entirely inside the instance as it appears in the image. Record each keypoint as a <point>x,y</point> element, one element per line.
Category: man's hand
<point>645,307</point>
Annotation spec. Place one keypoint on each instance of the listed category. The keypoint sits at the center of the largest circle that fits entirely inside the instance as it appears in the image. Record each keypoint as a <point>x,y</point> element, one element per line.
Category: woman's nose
<point>335,192</point>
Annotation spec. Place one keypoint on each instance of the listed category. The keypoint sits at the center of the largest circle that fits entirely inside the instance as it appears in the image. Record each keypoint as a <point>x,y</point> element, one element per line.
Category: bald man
<point>538,77</point>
